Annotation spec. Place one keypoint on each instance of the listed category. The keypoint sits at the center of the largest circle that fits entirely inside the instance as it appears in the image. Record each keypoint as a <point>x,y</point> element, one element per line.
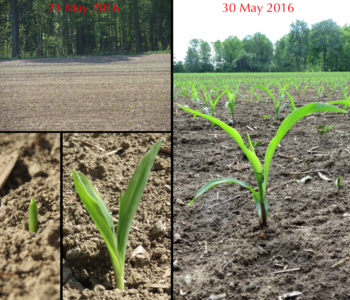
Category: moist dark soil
<point>109,93</point>
<point>30,262</point>
<point>87,269</point>
<point>222,251</point>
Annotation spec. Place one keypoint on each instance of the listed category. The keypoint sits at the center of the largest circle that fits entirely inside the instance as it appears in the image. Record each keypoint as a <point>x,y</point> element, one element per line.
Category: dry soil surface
<point>87,270</point>
<point>109,93</point>
<point>30,262</point>
<point>222,251</point>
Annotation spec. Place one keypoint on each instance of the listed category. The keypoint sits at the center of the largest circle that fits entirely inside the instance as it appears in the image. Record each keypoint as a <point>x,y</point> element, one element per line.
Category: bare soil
<point>109,93</point>
<point>30,262</point>
<point>87,270</point>
<point>309,224</point>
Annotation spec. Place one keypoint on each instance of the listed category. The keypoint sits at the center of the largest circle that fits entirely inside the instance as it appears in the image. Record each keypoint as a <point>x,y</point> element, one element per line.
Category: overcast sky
<point>204,19</point>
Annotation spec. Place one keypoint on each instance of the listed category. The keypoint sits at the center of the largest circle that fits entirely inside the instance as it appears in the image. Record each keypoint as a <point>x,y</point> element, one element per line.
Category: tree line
<point>28,29</point>
<point>324,47</point>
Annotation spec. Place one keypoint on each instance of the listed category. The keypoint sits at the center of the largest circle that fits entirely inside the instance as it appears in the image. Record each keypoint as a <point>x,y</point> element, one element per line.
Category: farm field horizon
<point>109,93</point>
<point>221,249</point>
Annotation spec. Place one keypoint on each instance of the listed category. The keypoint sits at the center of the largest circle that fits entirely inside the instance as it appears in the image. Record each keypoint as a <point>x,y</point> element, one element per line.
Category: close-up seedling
<point>259,194</point>
<point>128,204</point>
<point>33,216</point>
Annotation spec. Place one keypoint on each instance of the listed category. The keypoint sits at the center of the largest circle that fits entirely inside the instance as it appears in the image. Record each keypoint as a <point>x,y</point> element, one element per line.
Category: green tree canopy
<point>326,38</point>
<point>299,42</point>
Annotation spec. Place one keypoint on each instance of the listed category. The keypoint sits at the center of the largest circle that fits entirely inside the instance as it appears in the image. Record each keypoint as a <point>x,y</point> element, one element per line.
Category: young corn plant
<point>319,91</point>
<point>33,216</point>
<point>282,89</point>
<point>210,110</point>
<point>261,175</point>
<point>232,103</point>
<point>257,95</point>
<point>128,203</point>
<point>344,95</point>
<point>337,184</point>
<point>278,104</point>
<point>304,90</point>
<point>195,97</point>
<point>297,86</point>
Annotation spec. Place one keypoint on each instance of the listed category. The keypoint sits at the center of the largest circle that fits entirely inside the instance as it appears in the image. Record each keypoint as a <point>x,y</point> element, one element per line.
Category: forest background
<point>27,29</point>
<point>323,47</point>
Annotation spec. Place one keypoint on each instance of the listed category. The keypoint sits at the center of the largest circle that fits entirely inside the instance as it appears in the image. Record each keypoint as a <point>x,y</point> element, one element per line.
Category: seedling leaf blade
<point>236,136</point>
<point>287,124</point>
<point>87,193</point>
<point>215,182</point>
<point>101,217</point>
<point>131,199</point>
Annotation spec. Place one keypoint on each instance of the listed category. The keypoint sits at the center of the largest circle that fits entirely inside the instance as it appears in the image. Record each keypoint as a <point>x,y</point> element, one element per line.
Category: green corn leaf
<point>98,211</point>
<point>215,182</point>
<point>287,124</point>
<point>236,136</point>
<point>267,91</point>
<point>132,197</point>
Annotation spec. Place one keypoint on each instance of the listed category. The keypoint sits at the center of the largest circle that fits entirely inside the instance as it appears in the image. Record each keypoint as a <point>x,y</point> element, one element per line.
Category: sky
<point>205,19</point>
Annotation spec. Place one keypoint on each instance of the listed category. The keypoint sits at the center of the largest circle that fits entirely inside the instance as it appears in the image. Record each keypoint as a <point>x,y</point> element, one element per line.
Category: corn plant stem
<point>263,214</point>
<point>120,282</point>
<point>118,272</point>
<point>262,201</point>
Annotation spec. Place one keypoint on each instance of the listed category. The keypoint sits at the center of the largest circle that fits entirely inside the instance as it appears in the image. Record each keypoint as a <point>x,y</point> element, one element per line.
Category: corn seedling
<point>337,184</point>
<point>297,86</point>
<point>195,97</point>
<point>282,89</point>
<point>344,95</point>
<point>33,216</point>
<point>259,194</point>
<point>278,104</point>
<point>319,91</point>
<point>210,110</point>
<point>128,203</point>
<point>232,103</point>
<point>257,95</point>
<point>304,90</point>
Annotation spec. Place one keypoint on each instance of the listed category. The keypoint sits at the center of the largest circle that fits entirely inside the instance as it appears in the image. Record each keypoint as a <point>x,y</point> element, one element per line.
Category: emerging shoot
<point>33,216</point>
<point>337,184</point>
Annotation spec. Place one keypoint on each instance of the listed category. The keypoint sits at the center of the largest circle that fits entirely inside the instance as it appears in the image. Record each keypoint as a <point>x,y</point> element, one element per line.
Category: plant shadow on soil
<point>30,262</point>
<point>307,228</point>
<point>87,269</point>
